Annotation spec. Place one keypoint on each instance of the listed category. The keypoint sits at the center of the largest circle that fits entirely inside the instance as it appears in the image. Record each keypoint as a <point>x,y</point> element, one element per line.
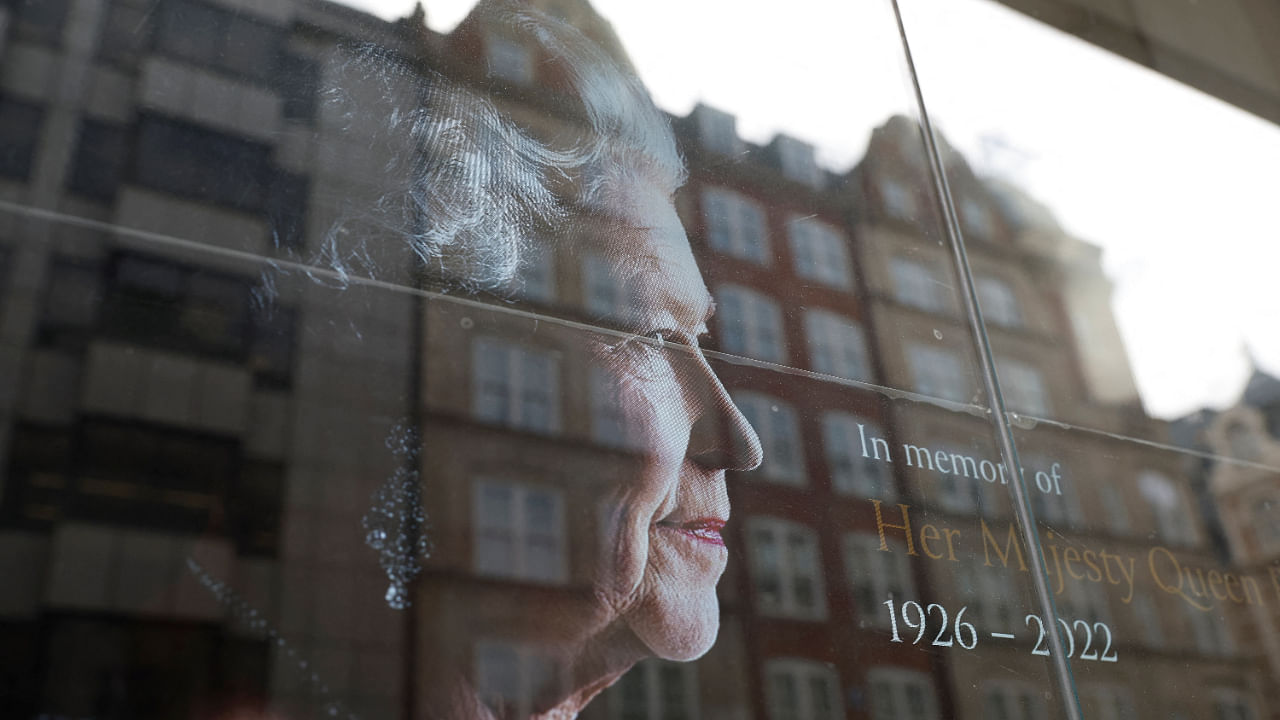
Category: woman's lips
<point>702,529</point>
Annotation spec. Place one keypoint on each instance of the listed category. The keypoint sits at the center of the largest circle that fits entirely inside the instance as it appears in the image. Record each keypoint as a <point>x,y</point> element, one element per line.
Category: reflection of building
<point>1240,495</point>
<point>165,411</point>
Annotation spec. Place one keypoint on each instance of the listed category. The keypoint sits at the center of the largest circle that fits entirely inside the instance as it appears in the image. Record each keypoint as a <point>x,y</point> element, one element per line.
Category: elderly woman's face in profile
<point>664,552</point>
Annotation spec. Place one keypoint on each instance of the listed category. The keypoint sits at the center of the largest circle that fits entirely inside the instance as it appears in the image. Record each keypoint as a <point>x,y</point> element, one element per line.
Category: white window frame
<point>836,345</point>
<point>519,563</point>
<point>791,569</point>
<point>749,324</point>
<point>819,252</point>
<point>736,225</point>
<point>850,472</point>
<point>507,400</point>
<point>778,427</point>
<point>900,683</point>
<point>803,675</point>
<point>875,575</point>
<point>937,372</point>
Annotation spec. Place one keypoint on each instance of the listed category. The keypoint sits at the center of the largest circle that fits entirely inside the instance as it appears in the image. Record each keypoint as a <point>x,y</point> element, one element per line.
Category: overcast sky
<point>1173,184</point>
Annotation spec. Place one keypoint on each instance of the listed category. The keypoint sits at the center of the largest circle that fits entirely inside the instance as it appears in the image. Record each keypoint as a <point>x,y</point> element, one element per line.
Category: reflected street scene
<point>555,358</point>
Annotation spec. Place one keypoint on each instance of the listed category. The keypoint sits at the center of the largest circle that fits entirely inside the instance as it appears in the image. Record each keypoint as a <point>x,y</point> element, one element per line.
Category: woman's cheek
<point>656,412</point>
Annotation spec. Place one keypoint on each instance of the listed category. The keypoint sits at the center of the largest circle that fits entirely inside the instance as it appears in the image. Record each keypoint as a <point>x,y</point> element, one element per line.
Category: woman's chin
<point>680,633</point>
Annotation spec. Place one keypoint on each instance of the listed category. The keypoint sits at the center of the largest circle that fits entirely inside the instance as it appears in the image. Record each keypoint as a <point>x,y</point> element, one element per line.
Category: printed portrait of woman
<point>570,453</point>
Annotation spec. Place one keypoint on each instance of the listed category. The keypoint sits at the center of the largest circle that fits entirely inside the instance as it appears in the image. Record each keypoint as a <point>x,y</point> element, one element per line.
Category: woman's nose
<point>721,437</point>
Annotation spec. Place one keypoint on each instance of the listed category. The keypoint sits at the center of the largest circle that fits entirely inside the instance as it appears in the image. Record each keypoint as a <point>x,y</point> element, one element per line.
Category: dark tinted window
<point>20,125</point>
<point>201,164</point>
<point>100,160</point>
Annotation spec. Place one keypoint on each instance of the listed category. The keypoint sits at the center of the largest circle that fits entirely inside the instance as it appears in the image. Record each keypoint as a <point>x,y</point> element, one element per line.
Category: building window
<point>126,33</point>
<point>750,324</point>
<point>961,490</point>
<point>1023,387</point>
<point>1266,531</point>
<point>1013,701</point>
<point>202,164</point>
<point>899,203</point>
<point>1210,632</point>
<point>519,531</point>
<point>786,569</point>
<point>717,130</point>
<point>1108,702</point>
<point>510,677</point>
<point>5,263</point>
<point>151,476</point>
<point>41,21</point>
<point>287,209</point>
<point>779,432</point>
<point>735,225</point>
<point>836,345</point>
<point>898,694</point>
<point>161,304</point>
<point>298,84</point>
<point>211,37</point>
<point>20,125</point>
<point>937,373</point>
<point>509,60</point>
<point>1232,704</point>
<point>272,342</point>
<point>1050,507</point>
<point>975,217</point>
<point>987,591</point>
<point>1083,601</point>
<point>999,305</point>
<point>852,472</point>
<point>608,422</point>
<point>876,575</point>
<point>515,385</point>
<point>819,252</point>
<point>797,161</point>
<point>1146,615</point>
<point>916,284</point>
<point>100,158</point>
<point>802,690</point>
<point>602,295</point>
<point>655,690</point>
<point>538,276</point>
<point>1115,507</point>
<point>1172,519</point>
